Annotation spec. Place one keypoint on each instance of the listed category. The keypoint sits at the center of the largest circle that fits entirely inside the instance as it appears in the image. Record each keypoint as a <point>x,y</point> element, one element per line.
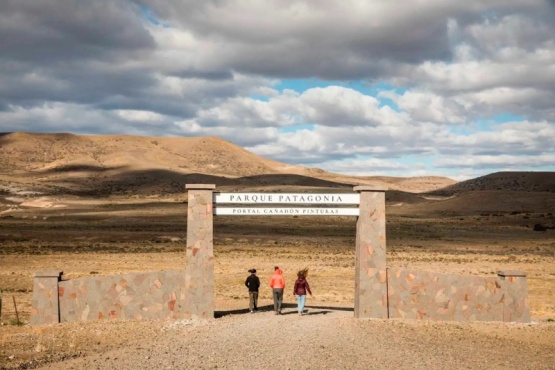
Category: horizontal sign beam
<point>284,211</point>
<point>285,198</point>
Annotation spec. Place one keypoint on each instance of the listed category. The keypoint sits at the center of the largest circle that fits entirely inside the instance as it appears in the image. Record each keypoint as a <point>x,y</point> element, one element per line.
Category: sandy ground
<point>88,237</point>
<point>329,339</point>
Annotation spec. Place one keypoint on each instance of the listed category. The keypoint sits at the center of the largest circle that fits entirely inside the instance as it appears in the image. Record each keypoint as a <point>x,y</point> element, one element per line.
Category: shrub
<point>16,322</point>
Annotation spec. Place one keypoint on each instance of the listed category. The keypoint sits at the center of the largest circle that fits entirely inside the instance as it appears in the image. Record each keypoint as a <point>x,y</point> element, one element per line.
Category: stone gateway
<point>380,292</point>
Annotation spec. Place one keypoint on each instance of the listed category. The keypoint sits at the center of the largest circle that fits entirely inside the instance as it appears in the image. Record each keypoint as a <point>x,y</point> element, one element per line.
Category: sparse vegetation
<point>104,215</point>
<point>16,322</point>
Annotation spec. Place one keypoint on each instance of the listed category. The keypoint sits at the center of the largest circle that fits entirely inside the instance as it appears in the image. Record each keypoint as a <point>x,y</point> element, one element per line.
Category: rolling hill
<point>119,164</point>
<point>504,181</point>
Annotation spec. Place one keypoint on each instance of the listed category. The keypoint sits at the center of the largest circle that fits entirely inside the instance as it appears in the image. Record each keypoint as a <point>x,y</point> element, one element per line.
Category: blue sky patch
<point>295,128</point>
<point>149,16</point>
<point>508,117</point>
<point>302,85</point>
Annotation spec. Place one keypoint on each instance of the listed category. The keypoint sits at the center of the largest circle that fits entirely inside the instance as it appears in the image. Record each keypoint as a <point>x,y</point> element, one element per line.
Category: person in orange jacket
<point>277,283</point>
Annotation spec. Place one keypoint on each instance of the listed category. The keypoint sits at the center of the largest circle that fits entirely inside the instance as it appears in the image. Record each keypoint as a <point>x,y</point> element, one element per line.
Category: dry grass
<point>82,240</point>
<point>107,237</point>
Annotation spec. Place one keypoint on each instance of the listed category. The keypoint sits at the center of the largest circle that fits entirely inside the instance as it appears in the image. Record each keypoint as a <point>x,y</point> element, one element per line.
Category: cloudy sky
<point>364,87</point>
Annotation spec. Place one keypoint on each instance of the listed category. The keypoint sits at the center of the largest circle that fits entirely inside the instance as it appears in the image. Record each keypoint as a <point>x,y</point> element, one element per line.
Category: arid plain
<point>112,205</point>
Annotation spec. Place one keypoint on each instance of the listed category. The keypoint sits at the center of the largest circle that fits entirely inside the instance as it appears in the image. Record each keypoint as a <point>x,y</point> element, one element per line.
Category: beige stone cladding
<point>45,305</point>
<point>370,255</point>
<point>199,272</point>
<point>188,294</point>
<point>155,295</point>
<point>434,296</point>
<point>516,306</point>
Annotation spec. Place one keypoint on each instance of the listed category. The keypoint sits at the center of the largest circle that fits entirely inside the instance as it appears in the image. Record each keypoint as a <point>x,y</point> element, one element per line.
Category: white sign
<point>284,211</point>
<point>286,198</point>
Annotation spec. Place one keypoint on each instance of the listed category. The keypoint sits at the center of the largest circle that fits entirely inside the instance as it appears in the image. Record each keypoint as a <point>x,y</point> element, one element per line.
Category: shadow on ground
<point>290,307</point>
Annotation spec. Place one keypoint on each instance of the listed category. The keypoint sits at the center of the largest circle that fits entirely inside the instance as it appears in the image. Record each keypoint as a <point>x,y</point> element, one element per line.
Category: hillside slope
<point>505,181</point>
<point>44,152</point>
<point>121,164</point>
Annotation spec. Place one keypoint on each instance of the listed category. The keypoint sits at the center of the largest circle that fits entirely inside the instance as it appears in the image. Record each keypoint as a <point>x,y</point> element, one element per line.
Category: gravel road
<point>326,338</point>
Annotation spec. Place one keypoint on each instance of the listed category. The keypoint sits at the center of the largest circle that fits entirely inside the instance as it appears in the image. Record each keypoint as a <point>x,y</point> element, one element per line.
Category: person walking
<point>277,283</point>
<point>253,283</point>
<point>300,289</point>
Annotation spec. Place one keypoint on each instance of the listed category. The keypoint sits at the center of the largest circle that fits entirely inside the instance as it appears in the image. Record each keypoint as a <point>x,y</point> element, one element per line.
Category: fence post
<point>516,306</point>
<point>46,304</point>
<point>199,272</point>
<point>15,309</point>
<point>370,262</point>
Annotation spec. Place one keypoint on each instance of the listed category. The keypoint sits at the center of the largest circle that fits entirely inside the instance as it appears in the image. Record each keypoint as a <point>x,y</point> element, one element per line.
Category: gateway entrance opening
<point>367,203</point>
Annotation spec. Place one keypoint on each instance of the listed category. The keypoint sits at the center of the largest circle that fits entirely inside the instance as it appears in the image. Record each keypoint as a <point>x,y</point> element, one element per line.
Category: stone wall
<point>516,306</point>
<point>155,295</point>
<point>433,296</point>
<point>379,292</point>
<point>45,307</point>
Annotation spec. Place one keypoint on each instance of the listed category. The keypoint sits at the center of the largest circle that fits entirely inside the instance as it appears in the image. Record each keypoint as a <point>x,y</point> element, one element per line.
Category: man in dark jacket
<point>253,283</point>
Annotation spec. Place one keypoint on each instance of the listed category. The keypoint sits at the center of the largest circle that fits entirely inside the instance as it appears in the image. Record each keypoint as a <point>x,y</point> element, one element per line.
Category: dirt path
<point>329,339</point>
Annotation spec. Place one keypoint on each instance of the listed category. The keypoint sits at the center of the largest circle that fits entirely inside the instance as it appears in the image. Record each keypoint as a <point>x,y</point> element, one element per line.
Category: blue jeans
<point>301,299</point>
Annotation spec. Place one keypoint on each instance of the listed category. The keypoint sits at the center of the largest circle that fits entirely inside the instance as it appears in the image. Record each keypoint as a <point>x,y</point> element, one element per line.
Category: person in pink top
<point>277,283</point>
<point>300,290</point>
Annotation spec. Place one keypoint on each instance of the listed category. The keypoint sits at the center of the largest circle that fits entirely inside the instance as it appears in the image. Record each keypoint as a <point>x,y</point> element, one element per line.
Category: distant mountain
<point>503,181</point>
<point>120,164</point>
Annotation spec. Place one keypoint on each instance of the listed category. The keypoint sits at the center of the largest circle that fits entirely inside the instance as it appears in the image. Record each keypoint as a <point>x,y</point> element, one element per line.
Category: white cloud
<point>507,162</point>
<point>213,68</point>
<point>532,138</point>
<point>428,107</point>
<point>139,115</point>
<point>367,167</point>
<point>339,106</point>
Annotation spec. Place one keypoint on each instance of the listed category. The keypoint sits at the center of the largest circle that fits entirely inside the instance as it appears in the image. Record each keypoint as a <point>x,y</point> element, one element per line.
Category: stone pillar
<point>516,307</point>
<point>199,271</point>
<point>45,306</point>
<point>370,263</point>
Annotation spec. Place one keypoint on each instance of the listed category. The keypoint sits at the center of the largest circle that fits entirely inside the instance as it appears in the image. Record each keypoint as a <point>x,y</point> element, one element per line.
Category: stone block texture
<point>188,294</point>
<point>433,296</point>
<point>516,306</point>
<point>154,295</point>
<point>199,271</point>
<point>370,256</point>
<point>45,307</point>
